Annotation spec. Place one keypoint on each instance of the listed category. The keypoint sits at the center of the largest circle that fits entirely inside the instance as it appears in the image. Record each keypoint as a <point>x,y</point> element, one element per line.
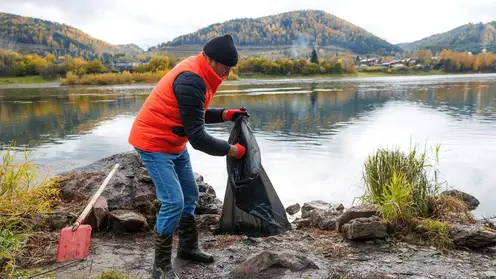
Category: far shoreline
<point>38,82</point>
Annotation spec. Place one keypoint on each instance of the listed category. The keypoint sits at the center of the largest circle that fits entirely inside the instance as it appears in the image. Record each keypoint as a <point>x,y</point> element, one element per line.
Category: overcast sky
<point>149,22</point>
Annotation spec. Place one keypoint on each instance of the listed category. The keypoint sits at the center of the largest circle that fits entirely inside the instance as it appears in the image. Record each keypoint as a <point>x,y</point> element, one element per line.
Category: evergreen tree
<point>315,58</point>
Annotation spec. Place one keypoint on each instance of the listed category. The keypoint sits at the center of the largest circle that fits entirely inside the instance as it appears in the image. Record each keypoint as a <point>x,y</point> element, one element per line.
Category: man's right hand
<point>237,151</point>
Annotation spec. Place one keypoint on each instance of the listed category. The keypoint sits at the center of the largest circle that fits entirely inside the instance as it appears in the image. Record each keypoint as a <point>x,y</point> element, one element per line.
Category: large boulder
<point>471,201</point>
<point>131,187</point>
<point>472,236</point>
<point>259,262</point>
<point>365,229</point>
<point>355,212</point>
<point>126,190</point>
<point>207,200</point>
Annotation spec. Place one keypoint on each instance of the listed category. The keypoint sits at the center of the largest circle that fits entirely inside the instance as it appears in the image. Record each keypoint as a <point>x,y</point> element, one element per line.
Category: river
<point>314,134</point>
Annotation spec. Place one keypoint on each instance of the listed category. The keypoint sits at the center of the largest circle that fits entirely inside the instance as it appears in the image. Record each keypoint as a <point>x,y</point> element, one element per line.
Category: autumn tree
<point>425,56</point>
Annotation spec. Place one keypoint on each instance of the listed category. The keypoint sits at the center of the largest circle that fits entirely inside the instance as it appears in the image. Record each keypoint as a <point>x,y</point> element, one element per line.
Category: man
<point>173,114</point>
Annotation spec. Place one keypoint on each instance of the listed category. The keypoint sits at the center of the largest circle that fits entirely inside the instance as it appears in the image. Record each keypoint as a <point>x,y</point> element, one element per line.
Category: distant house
<point>396,63</point>
<point>369,62</point>
<point>125,65</point>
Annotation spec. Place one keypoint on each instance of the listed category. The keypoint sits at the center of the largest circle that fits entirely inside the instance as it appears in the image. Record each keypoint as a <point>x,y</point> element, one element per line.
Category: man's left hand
<point>232,114</point>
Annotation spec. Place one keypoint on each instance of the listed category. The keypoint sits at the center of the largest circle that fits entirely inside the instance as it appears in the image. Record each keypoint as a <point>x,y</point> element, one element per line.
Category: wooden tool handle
<point>94,198</point>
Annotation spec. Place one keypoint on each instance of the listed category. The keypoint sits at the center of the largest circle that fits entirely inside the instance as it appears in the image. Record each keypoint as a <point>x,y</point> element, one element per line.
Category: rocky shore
<point>327,240</point>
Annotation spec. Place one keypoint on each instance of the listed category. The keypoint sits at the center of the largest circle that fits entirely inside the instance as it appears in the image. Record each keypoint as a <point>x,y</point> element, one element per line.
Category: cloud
<point>149,22</point>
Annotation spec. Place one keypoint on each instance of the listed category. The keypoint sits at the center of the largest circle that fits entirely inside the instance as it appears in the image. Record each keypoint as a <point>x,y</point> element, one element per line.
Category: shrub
<point>400,184</point>
<point>23,193</point>
<point>399,181</point>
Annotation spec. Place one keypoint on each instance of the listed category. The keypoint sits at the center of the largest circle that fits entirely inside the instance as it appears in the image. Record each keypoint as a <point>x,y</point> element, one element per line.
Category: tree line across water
<point>77,70</point>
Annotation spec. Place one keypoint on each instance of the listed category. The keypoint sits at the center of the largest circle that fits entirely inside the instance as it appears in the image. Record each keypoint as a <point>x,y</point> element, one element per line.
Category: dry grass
<point>450,209</point>
<point>334,248</point>
<point>113,78</point>
<point>40,249</point>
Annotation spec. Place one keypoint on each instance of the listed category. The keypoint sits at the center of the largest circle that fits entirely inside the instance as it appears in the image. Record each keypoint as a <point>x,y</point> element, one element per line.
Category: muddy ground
<point>133,254</point>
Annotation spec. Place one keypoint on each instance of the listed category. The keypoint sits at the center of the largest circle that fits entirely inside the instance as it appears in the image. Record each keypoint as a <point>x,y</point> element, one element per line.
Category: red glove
<point>231,114</point>
<point>241,151</point>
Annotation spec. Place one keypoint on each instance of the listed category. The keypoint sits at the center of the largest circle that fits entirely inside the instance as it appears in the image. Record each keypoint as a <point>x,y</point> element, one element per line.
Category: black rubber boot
<point>162,264</point>
<point>188,248</point>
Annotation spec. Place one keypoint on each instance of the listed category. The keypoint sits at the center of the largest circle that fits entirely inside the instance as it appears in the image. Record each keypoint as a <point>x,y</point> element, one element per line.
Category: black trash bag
<point>251,205</point>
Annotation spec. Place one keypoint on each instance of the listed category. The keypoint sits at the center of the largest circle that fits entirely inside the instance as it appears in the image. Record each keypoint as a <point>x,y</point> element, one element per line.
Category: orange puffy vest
<point>152,128</point>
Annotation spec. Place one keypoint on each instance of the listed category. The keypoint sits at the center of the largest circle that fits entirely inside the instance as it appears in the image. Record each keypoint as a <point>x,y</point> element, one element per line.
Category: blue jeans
<point>175,185</point>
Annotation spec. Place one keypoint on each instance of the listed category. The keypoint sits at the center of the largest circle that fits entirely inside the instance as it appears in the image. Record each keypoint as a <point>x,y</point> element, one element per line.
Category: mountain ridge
<point>468,37</point>
<point>30,34</point>
<point>301,27</point>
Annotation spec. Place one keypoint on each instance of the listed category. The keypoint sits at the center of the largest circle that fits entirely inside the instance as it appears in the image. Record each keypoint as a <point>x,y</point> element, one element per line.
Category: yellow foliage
<point>113,78</point>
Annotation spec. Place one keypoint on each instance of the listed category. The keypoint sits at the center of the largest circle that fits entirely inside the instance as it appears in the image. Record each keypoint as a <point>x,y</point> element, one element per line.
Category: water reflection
<point>321,130</point>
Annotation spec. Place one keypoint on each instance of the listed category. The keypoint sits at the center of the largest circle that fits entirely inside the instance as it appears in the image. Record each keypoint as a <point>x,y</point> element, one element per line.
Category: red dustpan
<point>74,242</point>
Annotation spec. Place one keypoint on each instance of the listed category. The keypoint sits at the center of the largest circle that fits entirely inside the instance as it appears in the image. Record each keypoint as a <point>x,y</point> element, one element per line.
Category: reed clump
<point>406,189</point>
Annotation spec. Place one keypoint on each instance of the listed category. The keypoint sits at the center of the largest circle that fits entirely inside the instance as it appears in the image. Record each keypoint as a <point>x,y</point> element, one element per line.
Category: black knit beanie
<point>222,50</point>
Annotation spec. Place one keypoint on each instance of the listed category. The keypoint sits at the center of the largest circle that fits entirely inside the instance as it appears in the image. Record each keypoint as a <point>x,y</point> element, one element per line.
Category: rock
<point>302,222</point>
<point>143,176</point>
<point>293,209</point>
<point>324,219</point>
<point>128,221</point>
<point>198,178</point>
<point>124,190</point>
<point>207,204</point>
<point>362,211</point>
<point>338,206</point>
<point>471,201</point>
<point>365,228</point>
<point>59,220</point>
<point>472,236</point>
<point>317,204</point>
<point>99,214</point>
<point>489,274</point>
<point>321,214</point>
<point>205,221</point>
<point>257,263</point>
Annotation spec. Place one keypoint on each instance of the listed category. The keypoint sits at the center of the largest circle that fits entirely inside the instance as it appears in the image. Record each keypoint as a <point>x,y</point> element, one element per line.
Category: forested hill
<point>469,37</point>
<point>132,49</point>
<point>286,29</point>
<point>26,34</point>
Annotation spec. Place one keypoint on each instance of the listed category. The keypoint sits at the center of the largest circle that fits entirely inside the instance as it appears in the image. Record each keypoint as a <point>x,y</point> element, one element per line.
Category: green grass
<point>25,80</point>
<point>23,194</point>
<point>399,183</point>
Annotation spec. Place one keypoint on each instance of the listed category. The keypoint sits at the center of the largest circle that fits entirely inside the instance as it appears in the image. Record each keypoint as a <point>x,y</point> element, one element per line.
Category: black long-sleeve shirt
<point>190,91</point>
